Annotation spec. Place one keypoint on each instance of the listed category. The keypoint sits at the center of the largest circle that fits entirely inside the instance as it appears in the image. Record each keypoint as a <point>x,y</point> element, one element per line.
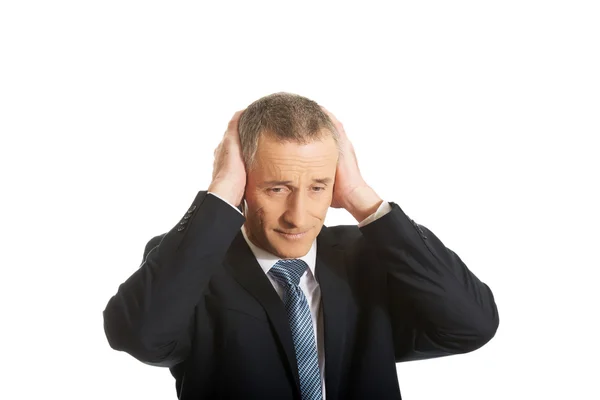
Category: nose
<point>295,215</point>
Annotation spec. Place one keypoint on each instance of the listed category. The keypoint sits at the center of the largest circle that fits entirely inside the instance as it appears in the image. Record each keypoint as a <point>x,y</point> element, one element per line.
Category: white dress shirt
<point>308,282</point>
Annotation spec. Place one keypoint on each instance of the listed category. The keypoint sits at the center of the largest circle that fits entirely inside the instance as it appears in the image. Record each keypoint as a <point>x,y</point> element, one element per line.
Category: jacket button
<point>185,221</point>
<point>180,228</point>
<point>192,208</point>
<point>186,216</point>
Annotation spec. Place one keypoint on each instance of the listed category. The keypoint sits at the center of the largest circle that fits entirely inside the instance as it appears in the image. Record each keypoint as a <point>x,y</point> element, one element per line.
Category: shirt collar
<point>266,259</point>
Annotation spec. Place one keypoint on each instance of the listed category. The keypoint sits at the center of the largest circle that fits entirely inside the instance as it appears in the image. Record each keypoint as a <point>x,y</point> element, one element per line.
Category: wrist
<point>363,202</point>
<point>227,191</point>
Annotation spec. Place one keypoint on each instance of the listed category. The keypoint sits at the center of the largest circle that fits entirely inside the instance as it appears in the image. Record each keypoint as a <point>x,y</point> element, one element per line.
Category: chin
<point>289,254</point>
<point>297,249</point>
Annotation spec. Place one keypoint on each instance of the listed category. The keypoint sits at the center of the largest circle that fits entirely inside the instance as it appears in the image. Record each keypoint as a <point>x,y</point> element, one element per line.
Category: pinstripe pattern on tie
<point>288,273</point>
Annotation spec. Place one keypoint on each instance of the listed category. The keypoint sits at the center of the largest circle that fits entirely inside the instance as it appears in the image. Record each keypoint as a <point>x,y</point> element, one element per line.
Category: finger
<point>235,119</point>
<point>331,116</point>
<point>338,125</point>
<point>326,111</point>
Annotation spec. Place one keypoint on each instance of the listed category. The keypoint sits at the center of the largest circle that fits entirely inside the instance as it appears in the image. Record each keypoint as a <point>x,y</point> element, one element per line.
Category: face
<point>288,193</point>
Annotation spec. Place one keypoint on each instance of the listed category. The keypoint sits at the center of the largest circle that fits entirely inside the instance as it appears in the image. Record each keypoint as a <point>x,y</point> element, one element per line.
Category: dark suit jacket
<point>201,305</point>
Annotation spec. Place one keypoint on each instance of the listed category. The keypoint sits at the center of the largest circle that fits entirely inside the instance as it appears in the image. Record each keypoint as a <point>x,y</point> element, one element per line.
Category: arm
<point>437,306</point>
<point>152,314</point>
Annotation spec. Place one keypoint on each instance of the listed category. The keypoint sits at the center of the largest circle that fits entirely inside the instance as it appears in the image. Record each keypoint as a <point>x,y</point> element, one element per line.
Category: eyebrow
<point>324,181</point>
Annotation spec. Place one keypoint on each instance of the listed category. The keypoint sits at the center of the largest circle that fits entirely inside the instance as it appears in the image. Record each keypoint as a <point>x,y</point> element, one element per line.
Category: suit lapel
<point>331,275</point>
<point>245,269</point>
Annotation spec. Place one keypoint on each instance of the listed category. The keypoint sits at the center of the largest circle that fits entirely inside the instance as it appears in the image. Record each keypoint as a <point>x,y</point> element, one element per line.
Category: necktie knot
<point>288,271</point>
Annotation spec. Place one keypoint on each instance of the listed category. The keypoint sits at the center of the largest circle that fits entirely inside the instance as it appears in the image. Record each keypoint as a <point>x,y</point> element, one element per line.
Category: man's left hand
<point>350,190</point>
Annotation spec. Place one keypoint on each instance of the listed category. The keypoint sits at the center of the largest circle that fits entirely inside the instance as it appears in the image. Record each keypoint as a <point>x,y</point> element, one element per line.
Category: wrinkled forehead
<point>271,147</point>
<point>276,159</point>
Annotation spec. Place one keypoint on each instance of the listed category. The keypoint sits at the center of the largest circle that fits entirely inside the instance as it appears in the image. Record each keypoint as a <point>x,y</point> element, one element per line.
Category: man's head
<point>290,150</point>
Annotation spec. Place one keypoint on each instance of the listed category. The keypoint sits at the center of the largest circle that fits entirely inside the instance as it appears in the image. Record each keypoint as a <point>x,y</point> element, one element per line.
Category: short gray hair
<point>285,116</point>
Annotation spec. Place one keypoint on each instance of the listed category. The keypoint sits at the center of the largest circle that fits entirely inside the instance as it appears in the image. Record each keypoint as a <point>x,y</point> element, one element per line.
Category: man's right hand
<point>229,173</point>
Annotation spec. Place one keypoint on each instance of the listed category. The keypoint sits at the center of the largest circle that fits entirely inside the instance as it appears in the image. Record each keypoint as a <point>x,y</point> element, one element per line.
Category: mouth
<point>292,235</point>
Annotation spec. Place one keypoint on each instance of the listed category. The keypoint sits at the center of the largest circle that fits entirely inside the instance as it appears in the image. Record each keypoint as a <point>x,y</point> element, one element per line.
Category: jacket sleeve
<point>151,316</point>
<point>437,306</point>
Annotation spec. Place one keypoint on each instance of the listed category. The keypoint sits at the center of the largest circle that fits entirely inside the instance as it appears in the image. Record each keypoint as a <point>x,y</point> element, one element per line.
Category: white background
<point>480,119</point>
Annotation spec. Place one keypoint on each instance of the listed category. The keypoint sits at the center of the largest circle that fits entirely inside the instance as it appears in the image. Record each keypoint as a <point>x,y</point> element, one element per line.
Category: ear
<point>243,206</point>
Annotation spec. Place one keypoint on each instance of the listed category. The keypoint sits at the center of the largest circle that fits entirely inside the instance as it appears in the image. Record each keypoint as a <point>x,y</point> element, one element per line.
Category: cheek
<point>324,202</point>
<point>266,214</point>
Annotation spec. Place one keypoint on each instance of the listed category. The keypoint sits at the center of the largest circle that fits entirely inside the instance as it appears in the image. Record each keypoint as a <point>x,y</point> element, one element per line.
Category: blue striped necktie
<point>288,273</point>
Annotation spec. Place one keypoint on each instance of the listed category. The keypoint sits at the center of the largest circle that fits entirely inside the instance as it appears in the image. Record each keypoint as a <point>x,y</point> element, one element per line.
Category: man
<point>270,303</point>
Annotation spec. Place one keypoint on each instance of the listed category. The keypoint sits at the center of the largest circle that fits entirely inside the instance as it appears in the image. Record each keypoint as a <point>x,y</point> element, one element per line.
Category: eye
<point>276,190</point>
<point>320,188</point>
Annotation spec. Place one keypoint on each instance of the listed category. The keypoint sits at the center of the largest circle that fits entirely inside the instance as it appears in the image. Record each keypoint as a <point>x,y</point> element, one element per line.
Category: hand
<point>229,173</point>
<point>350,190</point>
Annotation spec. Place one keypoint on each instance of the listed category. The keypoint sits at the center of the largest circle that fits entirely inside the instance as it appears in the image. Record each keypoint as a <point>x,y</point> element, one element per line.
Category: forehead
<point>274,157</point>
